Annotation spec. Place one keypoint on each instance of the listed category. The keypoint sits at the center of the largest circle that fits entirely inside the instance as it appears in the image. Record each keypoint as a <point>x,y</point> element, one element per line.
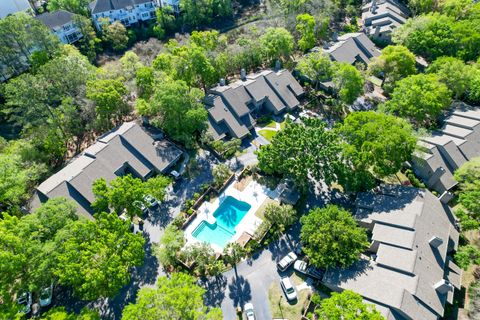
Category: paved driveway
<point>252,280</point>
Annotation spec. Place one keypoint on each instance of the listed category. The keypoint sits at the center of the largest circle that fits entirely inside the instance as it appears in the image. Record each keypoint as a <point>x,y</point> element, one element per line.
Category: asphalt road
<point>251,280</point>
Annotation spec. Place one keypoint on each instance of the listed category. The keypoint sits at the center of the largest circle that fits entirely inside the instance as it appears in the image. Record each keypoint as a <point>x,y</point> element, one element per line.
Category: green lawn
<point>280,307</point>
<point>260,212</point>
<point>267,134</point>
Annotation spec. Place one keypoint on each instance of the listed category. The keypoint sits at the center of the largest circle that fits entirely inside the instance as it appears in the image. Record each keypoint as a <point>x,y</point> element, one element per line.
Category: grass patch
<point>280,307</point>
<point>260,211</point>
<point>283,124</point>
<point>267,134</point>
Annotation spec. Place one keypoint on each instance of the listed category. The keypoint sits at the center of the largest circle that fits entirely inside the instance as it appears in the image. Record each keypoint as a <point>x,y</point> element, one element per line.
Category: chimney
<point>436,176</point>
<point>243,74</point>
<point>435,242</point>
<point>278,65</point>
<point>335,36</point>
<point>222,82</point>
<point>445,197</point>
<point>373,8</point>
<point>443,286</point>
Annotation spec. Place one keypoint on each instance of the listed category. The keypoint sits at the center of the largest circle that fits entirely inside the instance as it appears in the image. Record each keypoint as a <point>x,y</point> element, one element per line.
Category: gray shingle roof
<point>126,149</point>
<point>8,7</point>
<point>387,13</point>
<point>407,267</point>
<point>230,107</point>
<point>351,48</point>
<point>99,6</point>
<point>55,19</point>
<point>448,148</point>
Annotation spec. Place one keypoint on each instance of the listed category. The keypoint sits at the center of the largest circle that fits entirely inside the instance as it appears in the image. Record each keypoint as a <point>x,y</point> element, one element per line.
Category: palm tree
<point>232,254</point>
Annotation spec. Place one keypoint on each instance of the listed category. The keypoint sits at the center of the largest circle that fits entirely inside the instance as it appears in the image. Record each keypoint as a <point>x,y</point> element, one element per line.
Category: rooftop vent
<point>278,65</point>
<point>446,197</point>
<point>443,286</point>
<point>435,242</point>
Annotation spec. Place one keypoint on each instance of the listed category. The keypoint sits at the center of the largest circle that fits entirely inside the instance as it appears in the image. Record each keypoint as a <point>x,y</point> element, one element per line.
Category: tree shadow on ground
<point>215,293</point>
<point>240,291</point>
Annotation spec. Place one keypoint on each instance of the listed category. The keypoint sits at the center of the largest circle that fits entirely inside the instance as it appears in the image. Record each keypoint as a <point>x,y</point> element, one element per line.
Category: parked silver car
<point>25,300</point>
<point>286,261</point>
<point>288,288</point>
<point>303,267</point>
<point>249,312</point>
<point>46,296</point>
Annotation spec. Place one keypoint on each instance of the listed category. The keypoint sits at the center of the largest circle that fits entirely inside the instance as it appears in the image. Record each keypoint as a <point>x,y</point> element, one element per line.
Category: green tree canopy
<point>116,35</point>
<point>109,96</point>
<point>74,6</point>
<point>126,192</point>
<point>89,44</point>
<point>422,6</point>
<point>50,105</point>
<point>176,298</point>
<point>16,180</point>
<point>467,255</point>
<point>95,257</point>
<point>301,150</point>
<point>420,98</point>
<point>130,64</point>
<point>202,258</point>
<point>454,73</point>
<point>221,173</point>
<point>178,110</point>
<point>348,82</point>
<point>468,177</point>
<point>347,305</point>
<point>316,66</point>
<point>306,28</point>
<point>169,246</point>
<point>280,216</point>
<point>27,255</point>
<point>377,142</point>
<point>200,13</point>
<point>435,35</point>
<point>20,36</point>
<point>277,43</point>
<point>395,63</point>
<point>59,313</point>
<point>332,238</point>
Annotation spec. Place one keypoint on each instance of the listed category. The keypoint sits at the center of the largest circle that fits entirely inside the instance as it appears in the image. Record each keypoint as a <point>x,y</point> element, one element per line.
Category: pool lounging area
<point>229,216</point>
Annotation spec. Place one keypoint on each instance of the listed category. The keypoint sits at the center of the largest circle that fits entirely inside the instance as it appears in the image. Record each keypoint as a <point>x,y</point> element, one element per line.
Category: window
<point>66,27</point>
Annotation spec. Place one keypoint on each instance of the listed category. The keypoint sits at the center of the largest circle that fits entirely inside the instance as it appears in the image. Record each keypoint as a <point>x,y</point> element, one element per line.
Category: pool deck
<point>254,194</point>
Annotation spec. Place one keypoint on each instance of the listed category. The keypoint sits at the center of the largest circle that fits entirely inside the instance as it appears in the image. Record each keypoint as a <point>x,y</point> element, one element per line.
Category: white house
<point>62,25</point>
<point>127,12</point>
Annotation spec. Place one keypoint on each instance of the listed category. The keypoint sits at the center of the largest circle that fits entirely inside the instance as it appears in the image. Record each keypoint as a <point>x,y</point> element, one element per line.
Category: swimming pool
<point>228,215</point>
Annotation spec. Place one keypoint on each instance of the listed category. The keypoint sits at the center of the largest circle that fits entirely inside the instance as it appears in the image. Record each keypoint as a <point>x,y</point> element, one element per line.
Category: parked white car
<point>286,261</point>
<point>150,200</point>
<point>303,267</point>
<point>288,288</point>
<point>46,296</point>
<point>249,311</point>
<point>25,300</point>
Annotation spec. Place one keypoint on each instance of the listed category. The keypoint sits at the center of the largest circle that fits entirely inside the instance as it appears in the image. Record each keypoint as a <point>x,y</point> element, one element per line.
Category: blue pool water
<point>228,215</point>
